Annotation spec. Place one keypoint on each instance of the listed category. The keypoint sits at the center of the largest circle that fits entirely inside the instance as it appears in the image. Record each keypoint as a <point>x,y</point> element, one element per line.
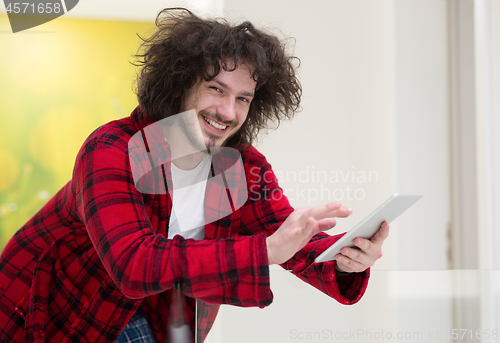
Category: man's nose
<point>226,109</point>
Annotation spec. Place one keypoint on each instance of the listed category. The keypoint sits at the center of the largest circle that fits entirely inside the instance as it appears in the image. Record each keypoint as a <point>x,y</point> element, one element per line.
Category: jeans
<point>137,330</point>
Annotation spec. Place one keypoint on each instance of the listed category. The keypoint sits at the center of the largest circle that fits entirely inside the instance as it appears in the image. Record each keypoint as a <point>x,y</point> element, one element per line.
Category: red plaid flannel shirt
<point>80,268</point>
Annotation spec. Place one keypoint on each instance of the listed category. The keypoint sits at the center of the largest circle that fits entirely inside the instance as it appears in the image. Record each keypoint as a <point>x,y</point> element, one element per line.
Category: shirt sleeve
<point>268,209</point>
<point>141,262</point>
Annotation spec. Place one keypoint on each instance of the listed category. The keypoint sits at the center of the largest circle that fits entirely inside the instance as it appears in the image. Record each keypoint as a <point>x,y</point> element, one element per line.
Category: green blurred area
<point>58,82</point>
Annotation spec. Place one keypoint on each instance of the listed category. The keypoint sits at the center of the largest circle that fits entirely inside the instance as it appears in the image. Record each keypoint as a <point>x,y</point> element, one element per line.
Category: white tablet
<point>388,211</point>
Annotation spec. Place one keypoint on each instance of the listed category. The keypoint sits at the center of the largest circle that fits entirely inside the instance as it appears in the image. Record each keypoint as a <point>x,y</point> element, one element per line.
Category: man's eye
<point>243,99</point>
<point>217,89</point>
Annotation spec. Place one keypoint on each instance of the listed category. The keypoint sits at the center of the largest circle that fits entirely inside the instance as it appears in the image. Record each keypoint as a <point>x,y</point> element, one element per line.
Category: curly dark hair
<point>185,48</point>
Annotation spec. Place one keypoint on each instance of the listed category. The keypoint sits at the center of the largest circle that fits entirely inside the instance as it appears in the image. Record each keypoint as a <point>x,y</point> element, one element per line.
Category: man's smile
<point>215,126</point>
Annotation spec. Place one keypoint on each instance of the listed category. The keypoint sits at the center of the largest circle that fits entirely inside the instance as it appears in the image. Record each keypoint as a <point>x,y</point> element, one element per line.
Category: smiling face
<point>221,104</point>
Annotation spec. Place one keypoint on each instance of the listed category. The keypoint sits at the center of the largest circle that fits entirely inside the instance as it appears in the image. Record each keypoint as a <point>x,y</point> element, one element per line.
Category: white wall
<point>495,86</point>
<point>486,49</point>
<point>422,131</point>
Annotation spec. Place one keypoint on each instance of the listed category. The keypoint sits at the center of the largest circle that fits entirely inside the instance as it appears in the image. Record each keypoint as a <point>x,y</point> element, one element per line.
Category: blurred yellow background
<point>58,82</point>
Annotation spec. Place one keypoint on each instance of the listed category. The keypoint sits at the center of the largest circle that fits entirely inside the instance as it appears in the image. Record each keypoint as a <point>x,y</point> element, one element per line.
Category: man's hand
<point>298,229</point>
<point>367,251</point>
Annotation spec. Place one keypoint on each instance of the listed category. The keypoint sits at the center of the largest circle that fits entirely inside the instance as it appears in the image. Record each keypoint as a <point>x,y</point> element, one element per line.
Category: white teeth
<point>214,124</point>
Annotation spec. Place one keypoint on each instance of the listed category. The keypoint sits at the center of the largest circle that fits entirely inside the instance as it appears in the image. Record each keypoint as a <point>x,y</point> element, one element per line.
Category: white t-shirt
<point>188,211</point>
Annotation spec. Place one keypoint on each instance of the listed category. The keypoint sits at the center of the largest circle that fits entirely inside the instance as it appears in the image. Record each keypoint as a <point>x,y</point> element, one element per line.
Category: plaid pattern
<point>80,268</point>
<point>137,330</point>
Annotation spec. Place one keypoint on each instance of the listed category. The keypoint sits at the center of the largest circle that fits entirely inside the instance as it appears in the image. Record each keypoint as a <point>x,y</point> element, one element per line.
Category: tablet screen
<point>388,211</point>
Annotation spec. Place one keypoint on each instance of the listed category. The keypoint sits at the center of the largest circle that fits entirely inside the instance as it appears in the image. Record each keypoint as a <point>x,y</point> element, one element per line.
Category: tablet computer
<point>388,211</point>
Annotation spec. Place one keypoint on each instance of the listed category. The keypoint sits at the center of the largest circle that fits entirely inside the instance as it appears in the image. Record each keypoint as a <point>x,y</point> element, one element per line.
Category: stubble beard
<point>211,142</point>
<point>190,131</point>
<point>208,141</point>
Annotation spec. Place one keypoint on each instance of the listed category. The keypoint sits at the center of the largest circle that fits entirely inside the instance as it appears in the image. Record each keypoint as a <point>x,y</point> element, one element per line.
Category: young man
<point>104,258</point>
